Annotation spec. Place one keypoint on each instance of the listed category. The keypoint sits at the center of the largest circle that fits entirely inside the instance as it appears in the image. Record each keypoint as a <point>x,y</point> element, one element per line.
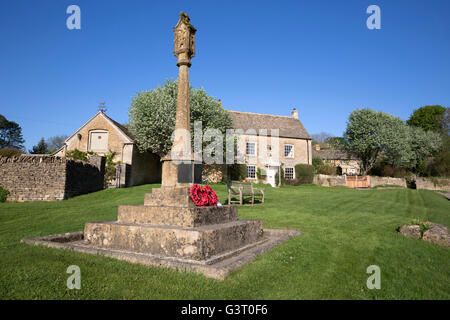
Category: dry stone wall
<point>378,181</point>
<point>49,178</point>
<point>439,184</point>
<point>329,181</point>
<point>333,181</point>
<point>214,173</point>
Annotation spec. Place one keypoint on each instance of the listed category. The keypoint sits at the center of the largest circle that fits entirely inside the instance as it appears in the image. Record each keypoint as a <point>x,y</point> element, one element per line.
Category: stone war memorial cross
<point>169,229</point>
<point>179,167</point>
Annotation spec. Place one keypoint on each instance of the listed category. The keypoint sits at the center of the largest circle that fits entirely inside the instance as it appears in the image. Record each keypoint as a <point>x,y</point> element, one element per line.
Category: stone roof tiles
<point>289,127</point>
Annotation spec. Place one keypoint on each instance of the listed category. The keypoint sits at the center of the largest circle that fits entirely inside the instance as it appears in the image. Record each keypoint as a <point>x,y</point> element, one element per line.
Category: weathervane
<point>102,107</point>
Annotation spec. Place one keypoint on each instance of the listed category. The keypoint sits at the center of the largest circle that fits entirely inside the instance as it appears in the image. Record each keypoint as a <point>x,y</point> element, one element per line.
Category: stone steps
<point>198,243</point>
<point>169,197</point>
<point>176,215</point>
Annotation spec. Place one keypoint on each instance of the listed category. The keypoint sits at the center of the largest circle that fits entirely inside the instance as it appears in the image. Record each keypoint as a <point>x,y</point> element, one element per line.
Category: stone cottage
<point>267,153</point>
<point>101,134</point>
<point>348,164</point>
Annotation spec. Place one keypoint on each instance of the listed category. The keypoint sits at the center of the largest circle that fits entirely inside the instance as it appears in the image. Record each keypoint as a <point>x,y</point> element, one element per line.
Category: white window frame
<point>291,153</point>
<point>248,166</point>
<point>293,173</point>
<point>254,148</point>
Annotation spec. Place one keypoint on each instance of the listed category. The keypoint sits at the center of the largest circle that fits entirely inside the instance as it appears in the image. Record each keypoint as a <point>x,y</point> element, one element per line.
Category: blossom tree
<point>152,116</point>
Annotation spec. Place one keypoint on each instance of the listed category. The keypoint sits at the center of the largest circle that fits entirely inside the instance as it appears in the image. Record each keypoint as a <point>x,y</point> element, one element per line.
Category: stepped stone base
<point>199,243</point>
<point>176,215</point>
<point>217,267</point>
<point>170,230</point>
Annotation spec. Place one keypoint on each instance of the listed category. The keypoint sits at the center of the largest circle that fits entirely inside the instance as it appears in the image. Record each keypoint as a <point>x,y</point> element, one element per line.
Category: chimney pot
<point>294,113</point>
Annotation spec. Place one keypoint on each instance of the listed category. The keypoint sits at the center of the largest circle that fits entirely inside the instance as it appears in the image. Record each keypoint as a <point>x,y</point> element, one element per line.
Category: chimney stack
<point>294,113</point>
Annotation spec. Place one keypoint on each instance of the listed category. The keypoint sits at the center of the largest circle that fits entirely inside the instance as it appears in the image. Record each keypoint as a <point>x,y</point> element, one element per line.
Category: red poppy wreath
<point>203,196</point>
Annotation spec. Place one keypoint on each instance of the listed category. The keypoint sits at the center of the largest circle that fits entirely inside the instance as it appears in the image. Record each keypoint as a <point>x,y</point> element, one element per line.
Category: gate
<point>357,181</point>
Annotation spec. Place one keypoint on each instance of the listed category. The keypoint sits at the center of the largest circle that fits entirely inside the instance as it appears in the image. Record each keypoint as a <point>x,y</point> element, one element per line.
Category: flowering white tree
<point>152,116</point>
<point>371,135</point>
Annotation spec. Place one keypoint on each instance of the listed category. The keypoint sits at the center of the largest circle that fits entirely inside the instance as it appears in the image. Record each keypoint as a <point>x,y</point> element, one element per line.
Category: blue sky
<point>256,56</point>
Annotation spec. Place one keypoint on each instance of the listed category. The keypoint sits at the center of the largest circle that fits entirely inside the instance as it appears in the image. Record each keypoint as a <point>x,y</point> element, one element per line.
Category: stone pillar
<point>178,167</point>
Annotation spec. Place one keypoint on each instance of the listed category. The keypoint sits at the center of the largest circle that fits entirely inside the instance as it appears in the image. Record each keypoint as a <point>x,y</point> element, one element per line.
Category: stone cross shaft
<point>174,174</point>
<point>184,50</point>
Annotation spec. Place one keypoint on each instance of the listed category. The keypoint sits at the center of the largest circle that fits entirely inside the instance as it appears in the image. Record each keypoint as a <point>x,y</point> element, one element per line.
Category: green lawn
<point>344,231</point>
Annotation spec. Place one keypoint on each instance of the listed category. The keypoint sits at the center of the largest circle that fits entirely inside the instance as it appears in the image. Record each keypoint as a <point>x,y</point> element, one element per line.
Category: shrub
<point>422,225</point>
<point>77,155</point>
<point>383,169</point>
<point>323,168</point>
<point>317,162</point>
<point>110,166</point>
<point>327,169</point>
<point>10,152</point>
<point>237,172</point>
<point>277,178</point>
<point>304,173</point>
<point>3,194</point>
<point>261,173</point>
<point>439,166</point>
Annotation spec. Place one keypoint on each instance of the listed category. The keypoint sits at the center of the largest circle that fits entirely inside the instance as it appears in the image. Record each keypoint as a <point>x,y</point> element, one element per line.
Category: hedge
<point>3,194</point>
<point>237,172</point>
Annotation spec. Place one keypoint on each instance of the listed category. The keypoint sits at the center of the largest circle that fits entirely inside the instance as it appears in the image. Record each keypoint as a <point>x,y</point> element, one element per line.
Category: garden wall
<point>329,181</point>
<point>214,173</point>
<point>433,184</point>
<point>43,177</point>
<point>377,181</point>
<point>333,181</point>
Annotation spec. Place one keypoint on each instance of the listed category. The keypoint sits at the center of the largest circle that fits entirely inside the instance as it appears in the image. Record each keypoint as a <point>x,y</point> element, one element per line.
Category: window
<point>289,173</point>
<point>288,151</point>
<point>251,172</point>
<point>250,148</point>
<point>269,147</point>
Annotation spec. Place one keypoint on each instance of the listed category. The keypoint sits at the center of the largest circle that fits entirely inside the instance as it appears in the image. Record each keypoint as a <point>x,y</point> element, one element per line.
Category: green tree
<point>40,148</point>
<point>10,152</point>
<point>152,116</point>
<point>429,118</point>
<point>447,122</point>
<point>423,144</point>
<point>10,134</point>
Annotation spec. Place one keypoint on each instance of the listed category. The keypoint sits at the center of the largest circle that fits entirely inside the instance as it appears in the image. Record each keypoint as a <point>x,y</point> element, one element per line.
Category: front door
<point>271,172</point>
